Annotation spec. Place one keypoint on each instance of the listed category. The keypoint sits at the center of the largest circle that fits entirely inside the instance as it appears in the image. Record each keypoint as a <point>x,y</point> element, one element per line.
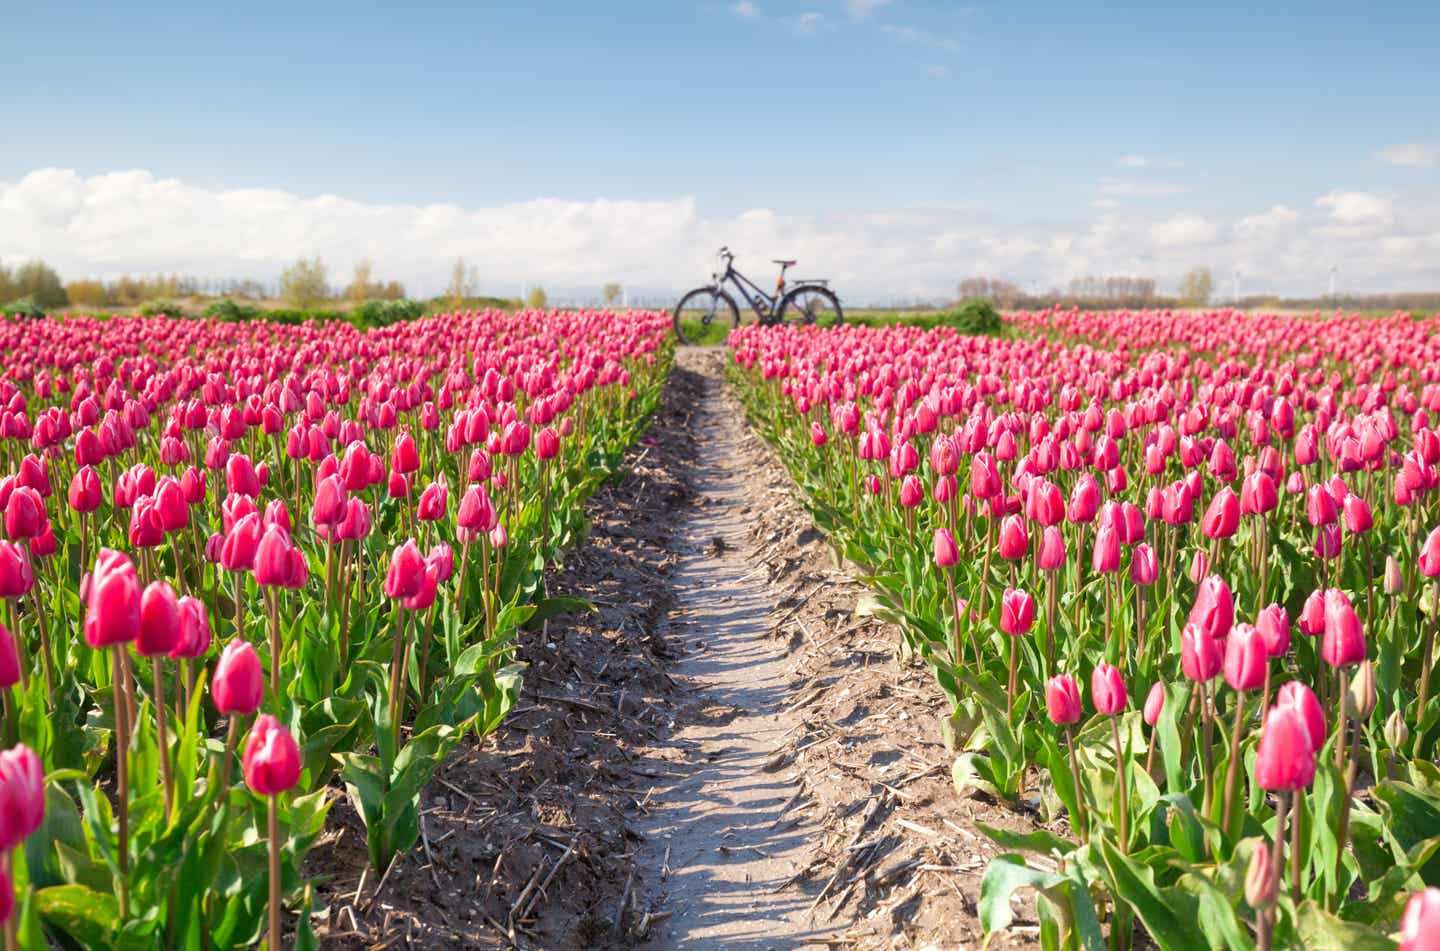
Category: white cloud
<point>745,10</point>
<point>1355,214</point>
<point>1134,189</point>
<point>1146,161</point>
<point>1267,223</point>
<point>938,72</point>
<point>808,22</point>
<point>860,9</point>
<point>1413,155</point>
<point>1104,203</point>
<point>1184,231</point>
<point>134,222</point>
<point>918,37</point>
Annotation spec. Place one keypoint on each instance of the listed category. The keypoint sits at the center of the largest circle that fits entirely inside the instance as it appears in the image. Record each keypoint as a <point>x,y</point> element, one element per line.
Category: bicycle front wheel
<point>811,305</point>
<point>705,315</point>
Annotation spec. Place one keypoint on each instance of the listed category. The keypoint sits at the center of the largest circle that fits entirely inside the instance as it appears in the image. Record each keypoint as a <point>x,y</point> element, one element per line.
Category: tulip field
<point>1177,575</point>
<point>246,564</point>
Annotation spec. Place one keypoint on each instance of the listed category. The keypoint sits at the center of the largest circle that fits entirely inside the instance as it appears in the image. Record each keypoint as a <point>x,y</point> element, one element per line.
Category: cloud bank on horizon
<point>133,221</point>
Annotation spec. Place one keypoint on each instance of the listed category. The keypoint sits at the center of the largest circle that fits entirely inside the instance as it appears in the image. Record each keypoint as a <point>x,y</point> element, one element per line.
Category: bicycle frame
<point>751,291</point>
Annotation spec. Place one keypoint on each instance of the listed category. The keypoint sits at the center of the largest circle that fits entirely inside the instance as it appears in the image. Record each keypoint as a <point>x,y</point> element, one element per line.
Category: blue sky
<point>934,137</point>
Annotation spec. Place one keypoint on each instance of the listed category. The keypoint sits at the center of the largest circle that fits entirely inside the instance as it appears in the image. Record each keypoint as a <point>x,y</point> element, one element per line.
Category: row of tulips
<point>243,565</point>
<point>1242,539</point>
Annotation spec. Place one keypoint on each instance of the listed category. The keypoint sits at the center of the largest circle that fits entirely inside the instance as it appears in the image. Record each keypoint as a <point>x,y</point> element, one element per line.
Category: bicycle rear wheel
<point>811,304</point>
<point>705,315</point>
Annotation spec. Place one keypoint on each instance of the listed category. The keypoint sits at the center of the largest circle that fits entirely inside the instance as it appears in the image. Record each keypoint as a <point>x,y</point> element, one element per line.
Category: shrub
<point>24,307</point>
<point>976,317</point>
<point>156,308</point>
<point>382,313</point>
<point>227,309</point>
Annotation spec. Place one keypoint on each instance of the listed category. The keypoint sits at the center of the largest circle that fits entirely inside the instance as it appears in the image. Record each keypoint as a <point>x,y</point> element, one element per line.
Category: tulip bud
<point>113,604</point>
<point>1344,639</point>
<point>433,502</point>
<point>1361,697</point>
<point>17,576</point>
<point>1274,627</point>
<point>194,640</point>
<point>1214,609</point>
<point>1201,656</point>
<point>406,575</point>
<point>1222,518</point>
<point>25,514</point>
<point>1052,549</point>
<point>1259,880</point>
<point>85,493</point>
<point>1017,612</point>
<point>22,796</point>
<point>1014,539</point>
<point>1397,731</point>
<point>1105,556</point>
<point>1394,580</point>
<point>1062,699</point>
<point>272,759</point>
<point>404,457</point>
<point>1154,703</point>
<point>547,444</point>
<point>239,679</point>
<point>159,620</point>
<point>1285,761</point>
<point>1300,698</point>
<point>912,493</point>
<point>272,558</point>
<point>443,558</point>
<point>1199,565</point>
<point>1107,689</point>
<point>1144,565</point>
<point>330,501</point>
<point>1245,658</point>
<point>947,553</point>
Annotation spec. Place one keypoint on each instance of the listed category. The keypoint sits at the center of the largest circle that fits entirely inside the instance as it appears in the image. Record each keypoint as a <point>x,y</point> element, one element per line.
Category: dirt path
<point>725,753</point>
<point>718,829</point>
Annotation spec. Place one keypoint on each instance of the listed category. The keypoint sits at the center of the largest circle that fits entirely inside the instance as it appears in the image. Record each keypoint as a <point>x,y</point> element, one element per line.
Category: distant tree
<point>463,281</point>
<point>87,293</point>
<point>612,292</point>
<point>303,284</point>
<point>536,299</point>
<point>39,282</point>
<point>360,284</point>
<point>1196,286</point>
<point>363,287</point>
<point>7,283</point>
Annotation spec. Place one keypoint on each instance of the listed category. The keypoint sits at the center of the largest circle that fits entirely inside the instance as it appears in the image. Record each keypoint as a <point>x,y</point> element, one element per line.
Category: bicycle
<point>808,301</point>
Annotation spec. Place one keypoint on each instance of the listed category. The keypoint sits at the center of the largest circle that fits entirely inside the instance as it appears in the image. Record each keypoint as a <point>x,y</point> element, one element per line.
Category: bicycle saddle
<point>784,263</point>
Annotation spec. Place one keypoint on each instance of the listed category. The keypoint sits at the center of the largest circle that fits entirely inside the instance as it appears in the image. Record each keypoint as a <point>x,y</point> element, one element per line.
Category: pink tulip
<point>1245,658</point>
<point>947,553</point>
<point>112,613</point>
<point>271,761</point>
<point>1017,612</point>
<point>1107,689</point>
<point>1062,699</point>
<point>1285,761</point>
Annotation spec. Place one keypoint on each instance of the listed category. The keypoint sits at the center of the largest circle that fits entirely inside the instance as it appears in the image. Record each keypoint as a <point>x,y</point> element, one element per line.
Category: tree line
<point>305,285</point>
